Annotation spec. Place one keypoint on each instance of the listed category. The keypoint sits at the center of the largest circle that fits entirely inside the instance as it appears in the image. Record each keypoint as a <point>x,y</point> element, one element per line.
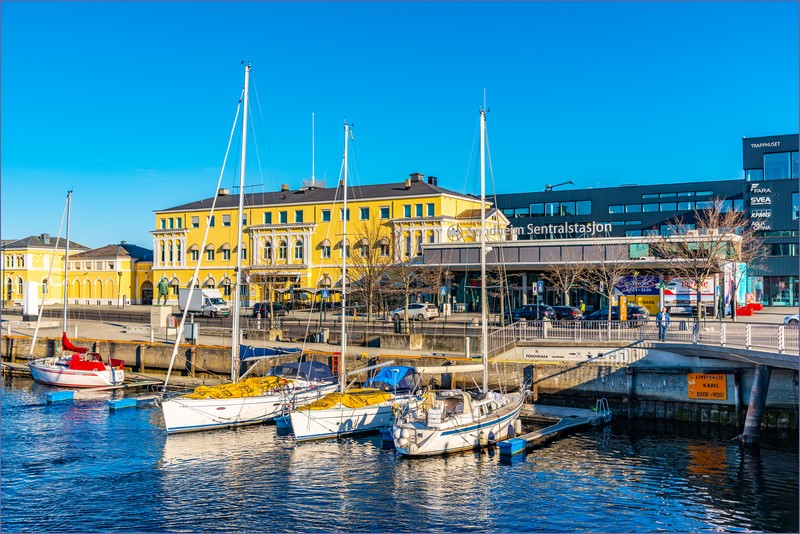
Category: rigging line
<point>50,277</point>
<point>262,124</point>
<point>195,276</point>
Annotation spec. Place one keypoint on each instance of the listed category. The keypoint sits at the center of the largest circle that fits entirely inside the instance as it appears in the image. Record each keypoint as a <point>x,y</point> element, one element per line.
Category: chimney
<point>123,242</point>
<point>433,180</point>
<point>284,187</point>
<point>408,183</point>
<point>45,238</point>
<point>341,183</point>
<point>416,177</point>
<point>223,192</point>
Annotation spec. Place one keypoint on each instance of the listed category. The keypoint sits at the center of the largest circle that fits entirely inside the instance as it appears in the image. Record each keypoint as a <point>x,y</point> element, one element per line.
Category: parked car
<point>568,313</point>
<point>417,311</point>
<point>635,314</point>
<point>791,319</point>
<point>262,308</point>
<point>534,312</point>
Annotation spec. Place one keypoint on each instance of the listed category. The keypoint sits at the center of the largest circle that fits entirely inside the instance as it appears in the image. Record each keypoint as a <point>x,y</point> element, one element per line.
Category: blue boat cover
<point>246,352</point>
<point>304,370</point>
<point>398,378</point>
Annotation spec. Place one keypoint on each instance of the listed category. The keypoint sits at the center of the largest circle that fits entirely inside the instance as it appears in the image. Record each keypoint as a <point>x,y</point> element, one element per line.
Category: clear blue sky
<point>131,104</point>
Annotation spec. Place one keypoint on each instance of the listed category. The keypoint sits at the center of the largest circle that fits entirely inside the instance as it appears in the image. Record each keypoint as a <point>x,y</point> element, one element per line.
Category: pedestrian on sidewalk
<point>662,322</point>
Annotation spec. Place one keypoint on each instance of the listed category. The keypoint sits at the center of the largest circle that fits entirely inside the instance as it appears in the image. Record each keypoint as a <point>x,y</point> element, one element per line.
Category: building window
<point>685,206</point>
<point>669,206</point>
<point>738,204</point>
<point>210,221</point>
<point>666,195</point>
<point>226,255</point>
<point>282,252</point>
<point>518,212</point>
<point>244,253</point>
<point>408,245</point>
<point>686,193</point>
<point>633,208</point>
<point>567,208</point>
<point>551,209</point>
<point>783,249</point>
<point>226,220</point>
<point>650,195</point>
<point>431,209</point>
<point>163,224</point>
<point>633,233</point>
<point>244,219</point>
<point>364,250</point>
<point>777,166</point>
<point>195,221</point>
<point>195,255</point>
<point>384,212</point>
<point>418,250</point>
<point>537,210</point>
<point>326,251</point>
<point>407,211</point>
<point>283,217</point>
<point>226,290</point>
<point>616,209</point>
<point>704,193</point>
<point>298,250</point>
<point>419,210</point>
<point>583,207</point>
<point>341,214</point>
<point>325,215</point>
<point>19,286</point>
<point>795,210</point>
<point>705,205</point>
<point>298,216</point>
<point>754,175</point>
<point>632,223</point>
<point>267,217</point>
<point>795,164</point>
<point>726,206</point>
<point>268,251</point>
<point>171,223</point>
<point>363,214</point>
<point>210,255</point>
<point>649,208</point>
<point>345,250</point>
<point>179,223</point>
<point>163,253</point>
<point>385,250</point>
<point>170,253</point>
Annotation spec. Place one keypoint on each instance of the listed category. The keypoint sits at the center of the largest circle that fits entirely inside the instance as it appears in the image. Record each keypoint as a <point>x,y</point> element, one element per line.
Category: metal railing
<point>778,338</point>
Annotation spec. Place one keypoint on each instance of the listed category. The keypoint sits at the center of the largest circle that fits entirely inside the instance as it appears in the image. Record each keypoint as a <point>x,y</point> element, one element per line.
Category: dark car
<point>568,313</point>
<point>635,313</point>
<point>262,308</point>
<point>534,312</point>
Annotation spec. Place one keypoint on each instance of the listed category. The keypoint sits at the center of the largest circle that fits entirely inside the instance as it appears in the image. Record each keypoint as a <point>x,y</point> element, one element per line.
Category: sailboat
<point>454,420</point>
<point>348,411</point>
<point>76,367</point>
<point>256,399</point>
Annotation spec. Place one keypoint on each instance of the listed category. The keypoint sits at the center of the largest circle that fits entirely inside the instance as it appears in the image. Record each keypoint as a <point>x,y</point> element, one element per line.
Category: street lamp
<point>636,288</point>
<point>119,289</point>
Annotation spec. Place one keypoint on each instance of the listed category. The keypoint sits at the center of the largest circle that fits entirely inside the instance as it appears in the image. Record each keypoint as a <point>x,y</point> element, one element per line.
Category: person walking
<point>662,322</point>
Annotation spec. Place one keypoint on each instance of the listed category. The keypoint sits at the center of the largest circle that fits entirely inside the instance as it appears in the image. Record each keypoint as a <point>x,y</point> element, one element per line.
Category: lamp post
<point>119,289</point>
<point>636,288</point>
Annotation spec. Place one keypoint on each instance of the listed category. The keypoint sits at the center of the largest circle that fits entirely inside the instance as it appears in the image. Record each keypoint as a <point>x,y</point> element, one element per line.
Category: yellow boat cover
<point>354,398</point>
<point>250,387</point>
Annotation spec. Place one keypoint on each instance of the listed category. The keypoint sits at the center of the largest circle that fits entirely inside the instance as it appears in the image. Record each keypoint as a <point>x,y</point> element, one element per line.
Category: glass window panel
<point>738,204</point>
<point>685,206</point>
<point>551,208</point>
<point>633,208</point>
<point>777,166</point>
<point>363,214</point>
<point>431,209</point>
<point>666,195</point>
<point>648,208</point>
<point>407,211</point>
<point>704,193</point>
<point>619,208</point>
<point>521,212</point>
<point>617,223</point>
<point>705,205</point>
<point>795,164</point>
<point>669,206</point>
<point>384,212</point>
<point>686,194</point>
<point>283,216</point>
<point>726,205</point>
<point>326,215</point>
<point>537,209</point>
<point>638,250</point>
<point>568,208</point>
<point>583,207</point>
<point>754,175</point>
<point>633,233</point>
<point>795,211</point>
<point>651,232</point>
<point>298,216</point>
<point>267,218</point>
<point>632,223</point>
<point>650,195</point>
<point>508,212</point>
<point>419,210</point>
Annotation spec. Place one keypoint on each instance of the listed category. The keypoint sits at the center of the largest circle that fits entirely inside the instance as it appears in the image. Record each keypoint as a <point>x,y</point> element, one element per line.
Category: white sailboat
<point>76,367</point>
<point>454,420</point>
<point>348,411</point>
<point>253,400</point>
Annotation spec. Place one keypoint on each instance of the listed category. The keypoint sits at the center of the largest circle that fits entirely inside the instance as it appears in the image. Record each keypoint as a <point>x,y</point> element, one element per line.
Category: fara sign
<point>708,386</point>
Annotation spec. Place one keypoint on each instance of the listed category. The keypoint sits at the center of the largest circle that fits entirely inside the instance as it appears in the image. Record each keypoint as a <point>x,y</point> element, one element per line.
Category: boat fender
<point>482,441</point>
<point>518,426</point>
<point>396,433</point>
<point>412,448</point>
<point>402,443</point>
<point>405,433</point>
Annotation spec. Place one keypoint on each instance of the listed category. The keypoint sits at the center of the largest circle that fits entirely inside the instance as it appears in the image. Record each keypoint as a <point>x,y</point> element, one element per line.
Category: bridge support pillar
<point>755,409</point>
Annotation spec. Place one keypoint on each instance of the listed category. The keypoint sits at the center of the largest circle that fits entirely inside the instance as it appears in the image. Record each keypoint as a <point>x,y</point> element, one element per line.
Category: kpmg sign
<point>760,206</point>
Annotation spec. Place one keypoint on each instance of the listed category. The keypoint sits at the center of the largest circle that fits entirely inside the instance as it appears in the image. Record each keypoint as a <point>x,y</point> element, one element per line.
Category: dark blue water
<point>77,467</point>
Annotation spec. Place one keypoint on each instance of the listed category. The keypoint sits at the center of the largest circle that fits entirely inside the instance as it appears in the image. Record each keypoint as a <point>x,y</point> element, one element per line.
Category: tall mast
<point>342,375</point>
<point>66,260</point>
<point>238,271</point>
<point>312,150</point>
<point>484,327</point>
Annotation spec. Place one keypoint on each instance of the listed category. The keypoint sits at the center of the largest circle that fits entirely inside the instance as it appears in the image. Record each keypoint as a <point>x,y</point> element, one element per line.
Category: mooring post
<point>755,409</point>
<point>629,387</point>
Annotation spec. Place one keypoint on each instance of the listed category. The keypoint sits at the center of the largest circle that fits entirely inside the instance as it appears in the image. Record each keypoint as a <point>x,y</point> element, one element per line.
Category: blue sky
<point>131,104</point>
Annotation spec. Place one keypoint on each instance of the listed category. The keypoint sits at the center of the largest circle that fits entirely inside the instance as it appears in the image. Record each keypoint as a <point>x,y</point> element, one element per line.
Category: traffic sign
<point>324,293</point>
<point>443,290</point>
<point>540,286</point>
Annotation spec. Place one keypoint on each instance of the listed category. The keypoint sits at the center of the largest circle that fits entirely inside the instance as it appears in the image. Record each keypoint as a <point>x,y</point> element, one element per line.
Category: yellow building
<point>293,238</point>
<point>113,275</point>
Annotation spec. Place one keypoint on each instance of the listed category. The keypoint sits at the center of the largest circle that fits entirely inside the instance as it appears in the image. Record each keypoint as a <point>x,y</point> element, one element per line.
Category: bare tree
<point>564,276</point>
<point>697,251</point>
<point>410,278</point>
<point>611,261</point>
<point>369,261</point>
<point>270,278</point>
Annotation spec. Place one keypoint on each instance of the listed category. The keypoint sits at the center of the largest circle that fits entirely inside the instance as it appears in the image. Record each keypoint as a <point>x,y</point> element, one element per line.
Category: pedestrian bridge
<point>772,345</point>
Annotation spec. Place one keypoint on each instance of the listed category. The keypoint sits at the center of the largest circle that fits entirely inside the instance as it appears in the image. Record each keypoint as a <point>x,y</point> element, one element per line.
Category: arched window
<point>45,287</point>
<point>298,250</point>
<point>19,287</point>
<point>268,250</point>
<point>9,288</point>
<point>282,250</point>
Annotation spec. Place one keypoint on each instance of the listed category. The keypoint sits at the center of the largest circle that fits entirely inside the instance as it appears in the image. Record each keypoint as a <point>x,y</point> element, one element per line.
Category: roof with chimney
<point>414,186</point>
<point>42,241</point>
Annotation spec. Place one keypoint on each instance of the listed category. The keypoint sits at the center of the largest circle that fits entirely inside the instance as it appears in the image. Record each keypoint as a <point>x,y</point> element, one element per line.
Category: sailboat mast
<point>312,151</point>
<point>66,260</point>
<point>238,271</point>
<point>484,327</point>
<point>342,375</point>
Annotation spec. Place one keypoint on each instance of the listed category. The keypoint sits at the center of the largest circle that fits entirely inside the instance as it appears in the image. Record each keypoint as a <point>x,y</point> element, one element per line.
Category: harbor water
<point>78,467</point>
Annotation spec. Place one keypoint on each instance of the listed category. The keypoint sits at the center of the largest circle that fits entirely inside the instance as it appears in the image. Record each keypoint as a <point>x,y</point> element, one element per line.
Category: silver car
<point>791,319</point>
<point>418,311</point>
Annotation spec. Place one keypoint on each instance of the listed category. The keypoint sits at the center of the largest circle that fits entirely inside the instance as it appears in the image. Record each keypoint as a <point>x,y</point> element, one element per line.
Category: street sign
<point>324,293</point>
<point>540,286</point>
<point>443,290</point>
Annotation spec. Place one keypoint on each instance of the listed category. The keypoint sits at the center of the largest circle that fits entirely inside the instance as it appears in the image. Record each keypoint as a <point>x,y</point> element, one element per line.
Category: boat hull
<point>421,440</point>
<point>53,373</point>
<point>185,414</point>
<point>340,421</point>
